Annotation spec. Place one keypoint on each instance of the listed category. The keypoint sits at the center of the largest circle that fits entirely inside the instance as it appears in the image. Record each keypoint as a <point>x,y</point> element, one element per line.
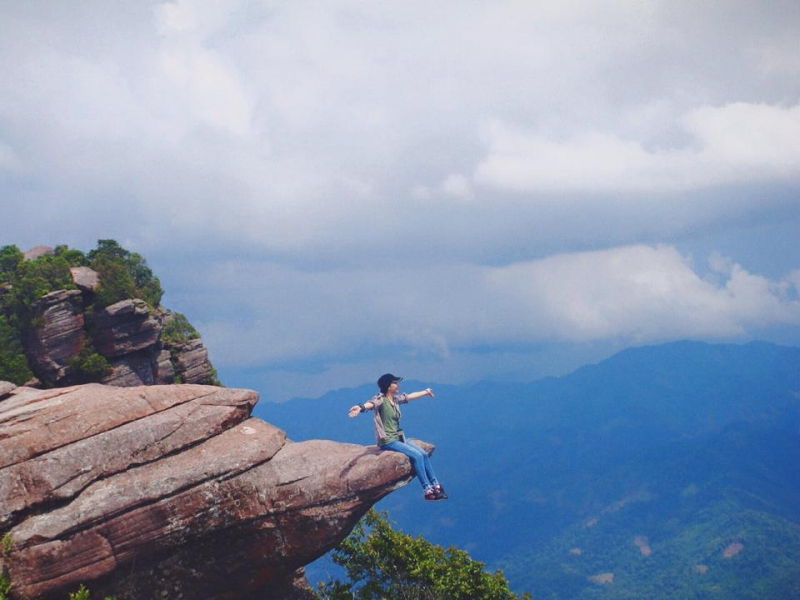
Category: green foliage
<point>74,257</point>
<point>177,330</point>
<point>382,562</point>
<point>5,587</point>
<point>10,259</point>
<point>32,279</point>
<point>23,283</point>
<point>123,274</point>
<point>89,366</point>
<point>81,594</point>
<point>8,543</point>
<point>211,379</point>
<point>13,363</point>
<point>687,539</point>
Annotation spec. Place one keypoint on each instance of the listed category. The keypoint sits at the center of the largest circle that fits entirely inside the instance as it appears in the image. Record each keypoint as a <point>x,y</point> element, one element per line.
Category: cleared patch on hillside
<point>732,550</point>
<point>641,542</point>
<point>602,578</point>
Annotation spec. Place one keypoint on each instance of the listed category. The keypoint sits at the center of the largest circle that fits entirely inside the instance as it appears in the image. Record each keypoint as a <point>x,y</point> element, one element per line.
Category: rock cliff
<point>170,491</point>
<point>129,334</point>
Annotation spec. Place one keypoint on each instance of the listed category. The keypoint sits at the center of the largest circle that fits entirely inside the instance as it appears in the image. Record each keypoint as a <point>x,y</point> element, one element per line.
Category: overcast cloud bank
<point>633,294</point>
<point>327,188</point>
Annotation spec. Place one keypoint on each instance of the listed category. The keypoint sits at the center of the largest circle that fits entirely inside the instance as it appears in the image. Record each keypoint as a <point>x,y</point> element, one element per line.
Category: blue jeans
<point>419,459</point>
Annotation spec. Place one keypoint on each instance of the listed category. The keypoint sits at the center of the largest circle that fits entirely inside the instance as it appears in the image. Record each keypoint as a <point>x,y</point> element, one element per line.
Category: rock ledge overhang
<point>171,490</point>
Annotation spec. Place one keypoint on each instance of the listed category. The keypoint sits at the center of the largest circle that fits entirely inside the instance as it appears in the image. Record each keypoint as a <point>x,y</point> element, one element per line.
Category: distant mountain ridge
<point>665,471</point>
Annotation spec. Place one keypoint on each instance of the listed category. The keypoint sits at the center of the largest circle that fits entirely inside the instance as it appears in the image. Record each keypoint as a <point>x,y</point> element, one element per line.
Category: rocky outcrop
<point>69,338</point>
<point>57,335</point>
<point>128,334</point>
<point>125,327</point>
<point>38,251</point>
<point>85,278</point>
<point>191,360</point>
<point>171,491</point>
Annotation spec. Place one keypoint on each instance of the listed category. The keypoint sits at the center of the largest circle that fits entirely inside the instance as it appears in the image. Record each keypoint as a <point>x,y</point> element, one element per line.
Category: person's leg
<point>418,458</point>
<point>426,461</point>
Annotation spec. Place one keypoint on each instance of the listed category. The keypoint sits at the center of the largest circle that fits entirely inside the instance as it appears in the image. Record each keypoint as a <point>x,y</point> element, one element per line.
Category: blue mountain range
<point>669,471</point>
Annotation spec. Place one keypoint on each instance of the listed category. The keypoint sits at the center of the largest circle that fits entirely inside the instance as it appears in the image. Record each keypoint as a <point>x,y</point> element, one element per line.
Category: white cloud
<point>196,77</point>
<point>175,16</point>
<point>728,144</point>
<point>641,293</point>
<point>283,125</point>
<point>632,294</point>
<point>457,186</point>
<point>8,158</point>
<point>748,141</point>
<point>343,148</point>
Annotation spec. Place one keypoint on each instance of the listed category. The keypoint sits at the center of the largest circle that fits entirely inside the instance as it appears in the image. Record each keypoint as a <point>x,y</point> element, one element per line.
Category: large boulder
<point>37,251</point>
<point>171,491</point>
<point>57,335</point>
<point>87,280</point>
<point>125,327</point>
<point>191,362</point>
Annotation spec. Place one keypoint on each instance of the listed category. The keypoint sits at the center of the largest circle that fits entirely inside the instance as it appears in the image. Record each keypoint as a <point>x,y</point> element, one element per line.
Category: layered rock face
<point>127,334</point>
<point>58,336</point>
<point>171,492</point>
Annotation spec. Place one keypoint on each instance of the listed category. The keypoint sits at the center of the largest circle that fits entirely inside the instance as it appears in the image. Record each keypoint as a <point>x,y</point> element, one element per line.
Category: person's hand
<point>429,391</point>
<point>354,411</point>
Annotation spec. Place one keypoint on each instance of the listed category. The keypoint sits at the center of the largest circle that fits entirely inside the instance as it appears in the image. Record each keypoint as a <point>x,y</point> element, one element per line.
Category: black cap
<point>385,380</point>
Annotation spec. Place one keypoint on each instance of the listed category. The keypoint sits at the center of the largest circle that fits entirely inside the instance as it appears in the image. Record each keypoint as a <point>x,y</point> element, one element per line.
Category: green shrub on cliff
<point>10,258</point>
<point>123,274</point>
<point>13,364</point>
<point>74,257</point>
<point>5,587</point>
<point>83,593</point>
<point>22,283</point>
<point>382,562</point>
<point>29,280</point>
<point>177,330</point>
<point>89,366</point>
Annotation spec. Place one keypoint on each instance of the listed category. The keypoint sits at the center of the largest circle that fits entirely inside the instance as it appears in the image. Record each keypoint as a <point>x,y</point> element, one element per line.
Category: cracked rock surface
<point>171,491</point>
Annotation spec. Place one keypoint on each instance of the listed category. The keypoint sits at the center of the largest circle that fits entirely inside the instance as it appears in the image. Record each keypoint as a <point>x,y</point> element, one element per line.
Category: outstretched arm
<point>420,394</point>
<point>359,408</point>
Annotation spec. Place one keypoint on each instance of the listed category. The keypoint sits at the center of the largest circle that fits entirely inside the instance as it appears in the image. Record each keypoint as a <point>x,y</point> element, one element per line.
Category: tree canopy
<point>384,563</point>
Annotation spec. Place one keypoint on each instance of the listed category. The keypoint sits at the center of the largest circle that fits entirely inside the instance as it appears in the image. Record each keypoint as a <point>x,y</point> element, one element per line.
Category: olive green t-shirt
<point>390,415</point>
<point>387,417</point>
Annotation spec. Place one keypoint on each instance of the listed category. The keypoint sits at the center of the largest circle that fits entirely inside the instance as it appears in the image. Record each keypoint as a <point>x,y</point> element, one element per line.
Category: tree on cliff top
<point>123,274</point>
<point>382,562</point>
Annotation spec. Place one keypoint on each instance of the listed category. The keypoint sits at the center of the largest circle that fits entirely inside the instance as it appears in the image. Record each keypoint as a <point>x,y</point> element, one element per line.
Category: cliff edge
<point>171,491</point>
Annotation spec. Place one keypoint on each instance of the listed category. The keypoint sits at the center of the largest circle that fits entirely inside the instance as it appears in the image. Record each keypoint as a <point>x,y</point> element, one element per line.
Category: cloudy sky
<point>451,191</point>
